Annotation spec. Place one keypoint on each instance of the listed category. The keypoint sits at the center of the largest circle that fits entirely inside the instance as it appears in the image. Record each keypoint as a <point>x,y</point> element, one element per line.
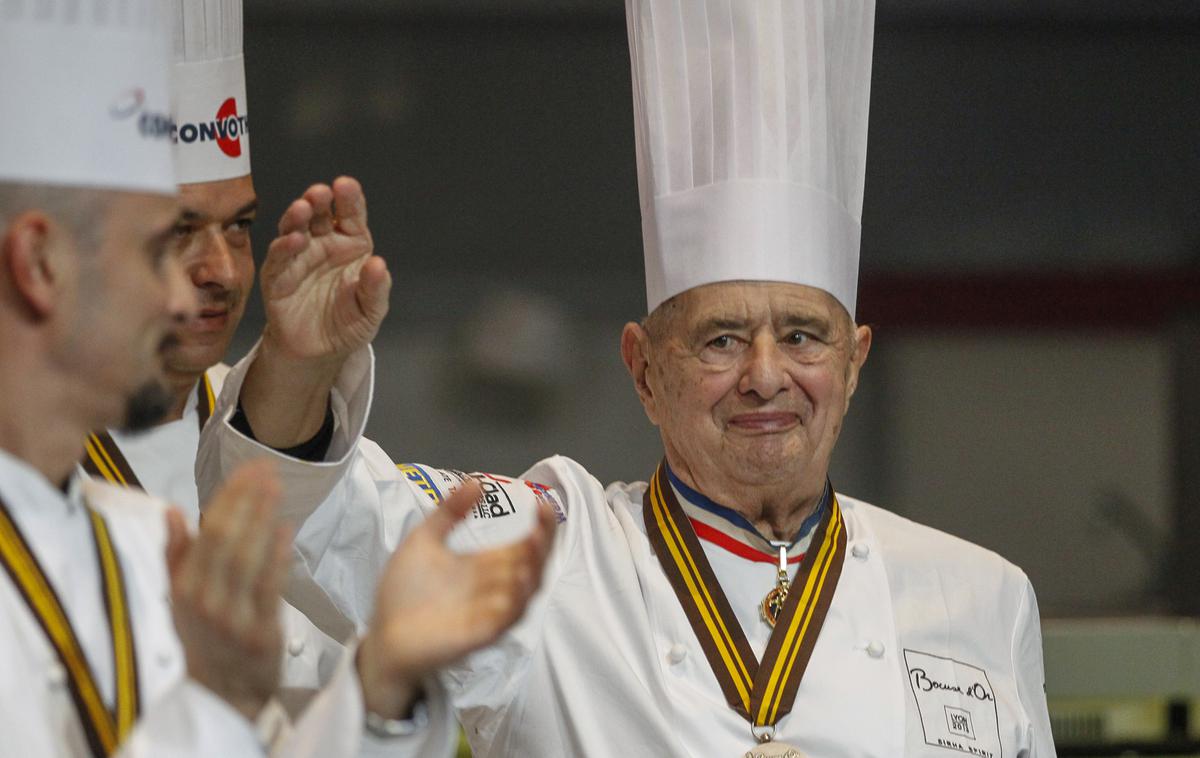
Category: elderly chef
<point>734,604</point>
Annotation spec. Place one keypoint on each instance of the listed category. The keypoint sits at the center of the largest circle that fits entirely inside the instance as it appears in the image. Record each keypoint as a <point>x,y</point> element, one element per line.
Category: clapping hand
<point>433,605</point>
<point>225,589</point>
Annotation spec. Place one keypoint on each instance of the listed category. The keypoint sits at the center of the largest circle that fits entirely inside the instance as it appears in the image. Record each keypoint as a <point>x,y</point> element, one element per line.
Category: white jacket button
<point>875,649</point>
<point>56,676</point>
<point>295,646</point>
<point>860,551</point>
<point>676,654</point>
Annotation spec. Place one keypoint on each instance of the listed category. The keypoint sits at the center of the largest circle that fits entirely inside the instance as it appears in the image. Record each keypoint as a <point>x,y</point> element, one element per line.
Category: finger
<point>178,541</point>
<point>278,278</point>
<point>269,588</point>
<point>453,510</point>
<point>221,531</point>
<point>250,551</point>
<point>296,218</point>
<point>350,206</point>
<point>256,546</point>
<point>320,196</point>
<point>374,288</point>
<point>179,548</point>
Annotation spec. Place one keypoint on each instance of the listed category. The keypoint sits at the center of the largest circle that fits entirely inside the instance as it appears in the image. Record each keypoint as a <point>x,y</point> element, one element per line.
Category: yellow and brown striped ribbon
<point>762,692</point>
<point>104,460</point>
<point>104,729</point>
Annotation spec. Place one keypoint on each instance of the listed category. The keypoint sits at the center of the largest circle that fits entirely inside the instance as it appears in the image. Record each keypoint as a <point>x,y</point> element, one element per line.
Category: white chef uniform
<point>92,81</point>
<point>751,135</point>
<point>604,663</point>
<point>164,457</point>
<point>179,717</point>
<point>209,109</point>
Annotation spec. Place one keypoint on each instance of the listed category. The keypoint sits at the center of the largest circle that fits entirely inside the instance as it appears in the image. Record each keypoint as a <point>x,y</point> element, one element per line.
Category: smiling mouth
<point>208,320</point>
<point>764,423</point>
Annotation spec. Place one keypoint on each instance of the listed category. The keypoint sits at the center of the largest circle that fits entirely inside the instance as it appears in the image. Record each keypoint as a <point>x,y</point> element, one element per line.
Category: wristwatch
<point>387,729</point>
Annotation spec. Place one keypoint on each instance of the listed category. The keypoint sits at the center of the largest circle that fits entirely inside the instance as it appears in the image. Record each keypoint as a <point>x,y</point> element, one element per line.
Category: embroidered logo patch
<point>957,704</point>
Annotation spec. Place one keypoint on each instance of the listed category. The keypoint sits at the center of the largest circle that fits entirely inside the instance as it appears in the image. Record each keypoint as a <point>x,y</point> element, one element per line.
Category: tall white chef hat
<point>750,119</point>
<point>209,88</point>
<point>84,88</point>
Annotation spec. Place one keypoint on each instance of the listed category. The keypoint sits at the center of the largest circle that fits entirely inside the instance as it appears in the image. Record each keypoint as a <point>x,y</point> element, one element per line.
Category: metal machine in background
<point>1128,687</point>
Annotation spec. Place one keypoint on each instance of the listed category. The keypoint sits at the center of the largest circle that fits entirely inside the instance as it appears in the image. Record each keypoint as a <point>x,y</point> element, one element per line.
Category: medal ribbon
<point>762,692</point>
<point>104,460</point>
<point>104,729</point>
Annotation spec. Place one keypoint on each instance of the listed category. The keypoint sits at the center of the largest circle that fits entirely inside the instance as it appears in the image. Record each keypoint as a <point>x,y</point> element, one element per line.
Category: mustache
<point>218,298</point>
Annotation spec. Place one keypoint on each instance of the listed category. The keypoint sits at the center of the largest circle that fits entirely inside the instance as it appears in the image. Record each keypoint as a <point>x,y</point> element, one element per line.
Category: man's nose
<point>763,372</point>
<point>182,303</point>
<point>213,262</point>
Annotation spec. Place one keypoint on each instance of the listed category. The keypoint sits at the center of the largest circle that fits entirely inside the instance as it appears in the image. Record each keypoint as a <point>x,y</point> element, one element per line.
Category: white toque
<point>212,141</point>
<point>84,87</point>
<point>750,120</point>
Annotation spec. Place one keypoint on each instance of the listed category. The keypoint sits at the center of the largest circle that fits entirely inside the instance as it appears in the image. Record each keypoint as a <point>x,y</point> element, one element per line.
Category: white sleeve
<point>191,721</point>
<point>309,500</point>
<point>352,511</point>
<point>332,724</point>
<point>1031,677</point>
<point>305,484</point>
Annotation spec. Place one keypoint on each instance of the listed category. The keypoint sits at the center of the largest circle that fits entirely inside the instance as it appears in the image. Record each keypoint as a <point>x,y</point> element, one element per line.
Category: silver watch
<point>387,729</point>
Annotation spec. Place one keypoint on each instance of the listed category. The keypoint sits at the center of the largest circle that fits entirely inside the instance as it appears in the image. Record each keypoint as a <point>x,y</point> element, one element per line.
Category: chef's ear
<point>636,353</point>
<point>27,249</point>
<point>858,356</point>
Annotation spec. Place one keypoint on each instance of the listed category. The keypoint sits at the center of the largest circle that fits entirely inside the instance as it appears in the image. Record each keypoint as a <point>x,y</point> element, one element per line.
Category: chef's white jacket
<point>179,717</point>
<point>163,458</point>
<point>931,647</point>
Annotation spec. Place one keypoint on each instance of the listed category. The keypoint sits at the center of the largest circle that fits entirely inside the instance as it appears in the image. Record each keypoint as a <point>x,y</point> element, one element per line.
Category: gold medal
<point>772,604</point>
<point>774,750</point>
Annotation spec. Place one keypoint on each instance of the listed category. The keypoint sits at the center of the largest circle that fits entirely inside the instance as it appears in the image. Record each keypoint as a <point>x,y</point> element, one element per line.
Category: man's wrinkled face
<point>213,235</point>
<point>750,381</point>
<point>129,295</point>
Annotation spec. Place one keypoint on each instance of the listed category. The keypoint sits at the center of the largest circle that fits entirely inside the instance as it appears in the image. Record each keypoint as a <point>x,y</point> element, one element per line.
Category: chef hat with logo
<point>209,89</point>
<point>84,86</point>
<point>750,121</point>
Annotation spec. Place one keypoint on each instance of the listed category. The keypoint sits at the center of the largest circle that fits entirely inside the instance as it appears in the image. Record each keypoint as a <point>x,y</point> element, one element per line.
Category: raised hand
<point>225,589</point>
<point>326,294</point>
<point>324,289</point>
<point>433,605</point>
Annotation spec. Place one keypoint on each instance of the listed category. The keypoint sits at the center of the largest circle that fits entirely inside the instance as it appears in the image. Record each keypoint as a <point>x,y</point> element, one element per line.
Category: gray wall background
<point>1007,138</point>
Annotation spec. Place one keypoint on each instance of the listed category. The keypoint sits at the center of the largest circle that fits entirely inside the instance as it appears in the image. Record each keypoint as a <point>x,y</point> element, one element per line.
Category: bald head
<point>80,210</point>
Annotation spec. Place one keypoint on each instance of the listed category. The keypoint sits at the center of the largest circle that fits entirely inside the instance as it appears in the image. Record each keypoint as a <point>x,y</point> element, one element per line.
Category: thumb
<point>374,286</point>
<point>178,541</point>
<point>454,509</point>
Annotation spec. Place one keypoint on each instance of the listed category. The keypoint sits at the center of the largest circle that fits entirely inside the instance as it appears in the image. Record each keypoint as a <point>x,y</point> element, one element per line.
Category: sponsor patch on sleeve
<point>502,497</point>
<point>957,704</point>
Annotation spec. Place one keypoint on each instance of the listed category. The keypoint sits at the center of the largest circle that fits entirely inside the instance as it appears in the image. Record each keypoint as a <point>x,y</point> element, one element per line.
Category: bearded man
<point>338,293</point>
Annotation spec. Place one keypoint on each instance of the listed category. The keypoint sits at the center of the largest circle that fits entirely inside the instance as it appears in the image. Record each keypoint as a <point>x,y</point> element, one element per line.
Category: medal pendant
<point>772,605</point>
<point>774,750</point>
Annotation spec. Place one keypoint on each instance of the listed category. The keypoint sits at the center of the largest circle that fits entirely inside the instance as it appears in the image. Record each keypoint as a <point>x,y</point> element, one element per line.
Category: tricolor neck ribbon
<point>731,531</point>
<point>104,460</point>
<point>762,692</point>
<point>104,729</point>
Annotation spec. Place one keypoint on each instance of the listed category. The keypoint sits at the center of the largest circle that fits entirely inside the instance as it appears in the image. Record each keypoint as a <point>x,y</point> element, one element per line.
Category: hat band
<point>750,231</point>
<point>85,106</point>
<point>212,128</point>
